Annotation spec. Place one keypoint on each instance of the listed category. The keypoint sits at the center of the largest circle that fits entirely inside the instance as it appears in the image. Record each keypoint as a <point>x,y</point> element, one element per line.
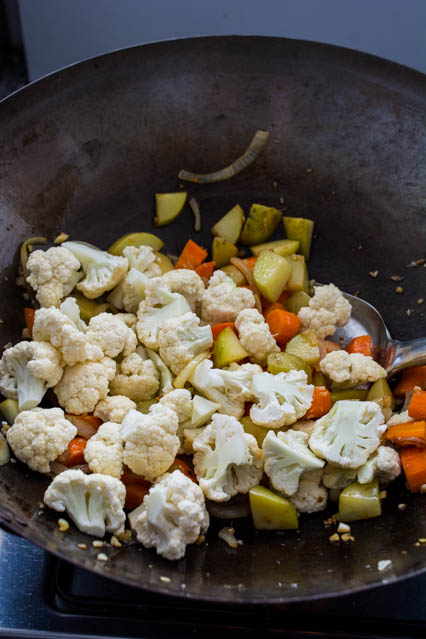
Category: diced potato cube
<point>230,225</point>
<point>168,206</point>
<point>282,247</point>
<point>222,251</point>
<point>306,346</point>
<point>135,239</point>
<point>227,349</point>
<point>301,229</point>
<point>360,501</point>
<point>261,223</point>
<point>271,273</point>
<point>270,511</point>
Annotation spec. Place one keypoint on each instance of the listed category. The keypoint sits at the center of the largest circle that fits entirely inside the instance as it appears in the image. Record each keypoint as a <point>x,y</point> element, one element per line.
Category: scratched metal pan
<point>84,150</point>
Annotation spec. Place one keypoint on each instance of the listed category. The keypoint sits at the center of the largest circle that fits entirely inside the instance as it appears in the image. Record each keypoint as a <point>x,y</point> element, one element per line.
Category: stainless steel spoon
<point>390,353</point>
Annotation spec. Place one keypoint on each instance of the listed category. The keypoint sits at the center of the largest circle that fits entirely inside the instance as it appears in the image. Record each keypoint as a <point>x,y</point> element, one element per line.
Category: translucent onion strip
<point>248,157</point>
<point>24,250</point>
<point>195,207</point>
<point>246,271</point>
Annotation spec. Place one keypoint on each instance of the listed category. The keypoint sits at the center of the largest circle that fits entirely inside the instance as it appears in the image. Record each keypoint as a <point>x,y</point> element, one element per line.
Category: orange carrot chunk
<point>273,307</point>
<point>408,434</point>
<point>74,455</point>
<point>218,328</point>
<point>410,378</point>
<point>321,403</point>
<point>361,344</point>
<point>179,464</point>
<point>191,256</point>
<point>29,314</point>
<point>283,325</point>
<point>414,464</point>
<point>129,477</point>
<point>417,406</point>
<point>206,269</point>
<point>135,494</point>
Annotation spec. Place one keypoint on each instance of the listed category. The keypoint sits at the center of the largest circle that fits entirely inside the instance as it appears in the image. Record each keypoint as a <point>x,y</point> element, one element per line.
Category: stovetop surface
<point>42,596</point>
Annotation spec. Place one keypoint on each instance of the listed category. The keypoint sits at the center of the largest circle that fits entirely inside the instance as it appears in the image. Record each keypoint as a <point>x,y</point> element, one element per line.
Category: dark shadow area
<point>13,72</point>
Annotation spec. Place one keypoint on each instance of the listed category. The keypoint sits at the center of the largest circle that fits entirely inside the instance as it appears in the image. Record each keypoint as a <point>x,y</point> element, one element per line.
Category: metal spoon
<point>390,353</point>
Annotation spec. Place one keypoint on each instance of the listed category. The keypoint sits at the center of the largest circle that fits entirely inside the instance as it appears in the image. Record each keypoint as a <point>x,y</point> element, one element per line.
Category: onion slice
<point>195,207</point>
<point>246,271</point>
<point>25,249</point>
<point>250,154</point>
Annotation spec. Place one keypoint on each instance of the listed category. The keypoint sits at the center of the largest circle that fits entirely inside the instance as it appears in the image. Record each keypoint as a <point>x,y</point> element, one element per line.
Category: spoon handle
<point>412,353</point>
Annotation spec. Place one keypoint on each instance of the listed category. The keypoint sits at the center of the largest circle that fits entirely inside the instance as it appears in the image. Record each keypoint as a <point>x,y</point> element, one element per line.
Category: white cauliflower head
<point>186,282</point>
<point>102,270</point>
<point>223,300</point>
<point>50,325</point>
<point>351,369</point>
<point>327,309</point>
<point>172,516</point>
<point>286,457</point>
<point>94,502</point>
<point>255,335</point>
<point>282,399</point>
<point>166,377</point>
<point>137,377</point>
<point>310,497</point>
<point>111,335</point>
<point>71,309</point>
<point>179,400</point>
<point>52,274</point>
<point>228,388</point>
<point>27,370</point>
<point>384,465</point>
<point>83,385</point>
<point>158,306</point>
<point>150,440</point>
<point>131,290</point>
<point>39,436</point>
<point>182,338</point>
<point>348,434</point>
<point>104,450</point>
<point>129,319</point>
<point>227,460</point>
<point>114,409</point>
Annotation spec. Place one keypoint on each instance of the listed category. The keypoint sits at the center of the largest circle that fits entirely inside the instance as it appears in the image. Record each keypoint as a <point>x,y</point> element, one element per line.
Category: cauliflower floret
<point>228,388</point>
<point>114,409</point>
<point>182,338</point>
<point>282,399</point>
<point>166,377</point>
<point>179,400</point>
<point>227,460</point>
<point>53,274</point>
<point>130,291</point>
<point>50,325</point>
<point>27,370</point>
<point>348,434</point>
<point>337,478</point>
<point>173,515</point>
<point>39,436</point>
<point>129,319</point>
<point>385,465</point>
<point>399,418</point>
<point>136,378</point>
<point>255,335</point>
<point>104,450</point>
<point>71,309</point>
<point>223,300</point>
<point>186,282</point>
<point>351,369</point>
<point>111,335</point>
<point>286,456</point>
<point>158,306</point>
<point>83,385</point>
<point>150,440</point>
<point>94,502</point>
<point>327,309</point>
<point>310,497</point>
<point>103,271</point>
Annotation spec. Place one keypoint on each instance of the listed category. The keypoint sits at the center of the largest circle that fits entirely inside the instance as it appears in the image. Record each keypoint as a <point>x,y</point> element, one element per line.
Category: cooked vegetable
<point>409,434</point>
<point>251,284</point>
<point>282,247</point>
<point>360,501</point>
<point>4,451</point>
<point>191,256</point>
<point>24,250</point>
<point>271,273</point>
<point>135,494</point>
<point>89,308</point>
<point>360,344</point>
<point>223,251</point>
<point>168,206</point>
<point>135,239</point>
<point>306,346</point>
<point>218,328</point>
<point>261,223</point>
<point>235,274</point>
<point>285,362</point>
<point>417,405</point>
<point>10,410</point>
<point>358,393</point>
<point>301,229</point>
<point>74,455</point>
<point>164,262</point>
<point>270,511</point>
<point>321,403</point>
<point>299,279</point>
<point>202,410</point>
<point>411,377</point>
<point>185,373</point>
<point>258,432</point>
<point>29,314</point>
<point>296,301</point>
<point>227,349</point>
<point>413,461</point>
<point>319,379</point>
<point>250,154</point>
<point>205,270</point>
<point>283,325</point>
<point>144,406</point>
<point>381,393</point>
<point>195,208</point>
<point>230,225</point>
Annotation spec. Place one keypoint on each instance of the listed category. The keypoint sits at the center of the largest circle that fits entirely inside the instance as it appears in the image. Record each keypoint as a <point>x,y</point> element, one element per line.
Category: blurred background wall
<point>59,32</point>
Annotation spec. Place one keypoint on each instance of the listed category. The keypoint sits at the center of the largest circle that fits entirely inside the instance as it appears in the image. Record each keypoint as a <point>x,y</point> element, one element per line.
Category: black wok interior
<point>85,149</point>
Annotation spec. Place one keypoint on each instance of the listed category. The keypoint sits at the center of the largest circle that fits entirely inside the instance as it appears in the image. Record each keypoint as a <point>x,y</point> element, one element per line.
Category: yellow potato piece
<point>270,511</point>
<point>360,501</point>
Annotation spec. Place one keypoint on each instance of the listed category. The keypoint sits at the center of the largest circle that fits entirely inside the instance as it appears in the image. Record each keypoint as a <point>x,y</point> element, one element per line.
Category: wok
<point>84,149</point>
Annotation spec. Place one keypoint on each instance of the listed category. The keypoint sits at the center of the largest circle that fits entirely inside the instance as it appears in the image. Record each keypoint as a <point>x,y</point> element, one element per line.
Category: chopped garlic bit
<point>384,564</point>
<point>399,290</point>
<point>166,580</point>
<point>227,534</point>
<point>422,540</point>
<point>101,557</point>
<point>373,274</point>
<point>63,525</point>
<point>115,542</point>
<point>334,538</point>
<point>347,537</point>
<point>396,278</point>
<point>420,300</point>
<point>82,546</point>
<point>331,520</point>
<point>402,506</point>
<point>125,536</point>
<point>97,543</point>
<point>417,263</point>
<point>343,528</point>
<point>383,494</point>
